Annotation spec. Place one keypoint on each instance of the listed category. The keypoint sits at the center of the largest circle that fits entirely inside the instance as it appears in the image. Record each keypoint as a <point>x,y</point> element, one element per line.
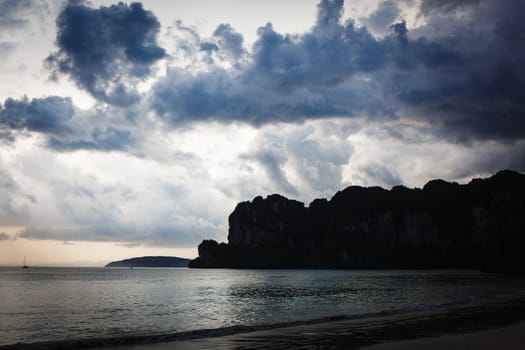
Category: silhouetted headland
<point>151,261</point>
<point>479,225</point>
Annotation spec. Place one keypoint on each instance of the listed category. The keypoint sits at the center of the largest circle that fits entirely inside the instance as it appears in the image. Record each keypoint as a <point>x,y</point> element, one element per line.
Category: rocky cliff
<point>442,225</point>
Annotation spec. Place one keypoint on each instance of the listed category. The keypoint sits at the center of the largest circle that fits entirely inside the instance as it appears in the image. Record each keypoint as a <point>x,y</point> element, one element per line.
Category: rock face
<point>151,261</point>
<point>443,225</point>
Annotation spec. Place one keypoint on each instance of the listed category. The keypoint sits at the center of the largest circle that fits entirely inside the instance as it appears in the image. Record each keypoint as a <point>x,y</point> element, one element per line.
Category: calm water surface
<point>48,304</point>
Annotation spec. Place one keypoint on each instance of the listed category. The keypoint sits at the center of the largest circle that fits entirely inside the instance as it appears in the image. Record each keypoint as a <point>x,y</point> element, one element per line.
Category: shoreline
<point>337,332</point>
<point>509,338</point>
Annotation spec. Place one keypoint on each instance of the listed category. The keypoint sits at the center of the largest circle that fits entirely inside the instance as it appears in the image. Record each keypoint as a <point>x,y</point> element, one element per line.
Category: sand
<point>508,338</point>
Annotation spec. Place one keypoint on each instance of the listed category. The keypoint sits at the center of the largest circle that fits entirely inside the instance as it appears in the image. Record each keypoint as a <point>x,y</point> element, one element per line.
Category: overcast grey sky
<point>135,128</point>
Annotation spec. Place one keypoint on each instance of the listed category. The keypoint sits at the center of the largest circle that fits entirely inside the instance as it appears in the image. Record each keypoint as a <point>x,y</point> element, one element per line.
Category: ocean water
<point>54,304</point>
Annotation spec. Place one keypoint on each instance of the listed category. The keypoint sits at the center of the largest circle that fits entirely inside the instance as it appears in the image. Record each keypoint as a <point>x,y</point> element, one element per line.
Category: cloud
<point>329,13</point>
<point>318,158</point>
<point>6,47</point>
<point>65,128</point>
<point>380,20</point>
<point>427,7</point>
<point>450,81</point>
<point>387,155</point>
<point>491,158</point>
<point>380,175</point>
<point>47,115</point>
<point>476,94</point>
<point>91,197</point>
<point>165,200</point>
<point>273,161</point>
<point>285,79</point>
<point>106,50</point>
<point>12,13</point>
<point>304,161</point>
<point>109,139</point>
<point>229,41</point>
<point>302,114</point>
<point>13,199</point>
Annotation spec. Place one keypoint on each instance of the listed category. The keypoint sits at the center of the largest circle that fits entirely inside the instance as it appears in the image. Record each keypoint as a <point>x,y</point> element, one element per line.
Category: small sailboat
<point>24,266</point>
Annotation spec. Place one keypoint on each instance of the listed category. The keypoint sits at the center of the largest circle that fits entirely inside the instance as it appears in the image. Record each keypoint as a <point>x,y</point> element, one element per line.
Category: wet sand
<point>508,338</point>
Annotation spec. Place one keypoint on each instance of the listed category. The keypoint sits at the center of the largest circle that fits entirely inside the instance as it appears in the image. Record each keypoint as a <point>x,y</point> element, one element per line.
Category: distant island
<point>479,225</point>
<point>151,261</point>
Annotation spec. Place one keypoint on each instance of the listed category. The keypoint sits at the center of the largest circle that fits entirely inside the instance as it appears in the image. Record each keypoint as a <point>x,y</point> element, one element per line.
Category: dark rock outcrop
<point>443,225</point>
<point>151,261</point>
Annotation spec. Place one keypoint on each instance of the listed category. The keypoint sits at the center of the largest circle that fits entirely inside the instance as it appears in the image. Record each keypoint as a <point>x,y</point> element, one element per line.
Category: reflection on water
<point>50,304</point>
<point>287,291</point>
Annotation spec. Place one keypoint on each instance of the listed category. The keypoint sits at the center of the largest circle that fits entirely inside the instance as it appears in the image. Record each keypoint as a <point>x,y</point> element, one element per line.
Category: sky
<point>132,129</point>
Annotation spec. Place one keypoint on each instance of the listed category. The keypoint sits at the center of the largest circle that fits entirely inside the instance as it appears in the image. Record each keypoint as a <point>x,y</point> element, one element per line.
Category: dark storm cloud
<point>48,115</point>
<point>56,118</point>
<point>287,77</point>
<point>461,74</point>
<point>230,41</point>
<point>329,12</point>
<point>106,50</point>
<point>325,57</point>
<point>479,95</point>
<point>209,47</point>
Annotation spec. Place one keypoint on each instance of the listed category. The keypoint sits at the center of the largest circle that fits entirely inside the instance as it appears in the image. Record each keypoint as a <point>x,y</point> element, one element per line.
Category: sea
<point>68,304</point>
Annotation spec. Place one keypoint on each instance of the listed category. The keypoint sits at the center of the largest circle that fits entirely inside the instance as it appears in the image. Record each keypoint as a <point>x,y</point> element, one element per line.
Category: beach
<point>509,338</point>
<point>494,326</point>
<point>489,326</point>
